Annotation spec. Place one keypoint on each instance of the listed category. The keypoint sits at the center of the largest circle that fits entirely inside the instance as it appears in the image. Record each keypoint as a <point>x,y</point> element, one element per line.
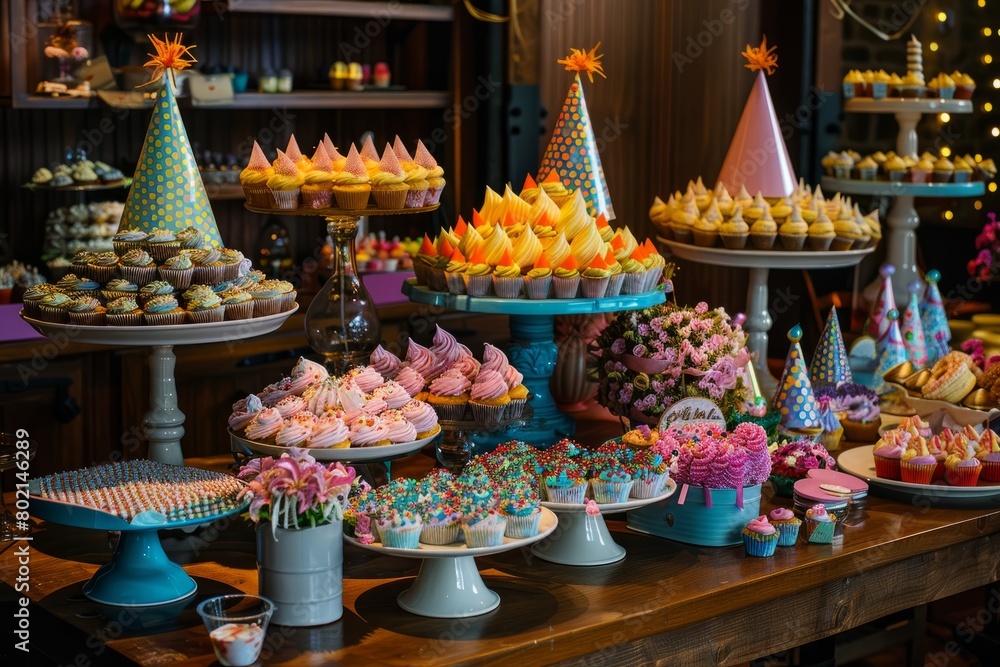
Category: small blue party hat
<point>890,351</point>
<point>795,399</point>
<point>829,364</point>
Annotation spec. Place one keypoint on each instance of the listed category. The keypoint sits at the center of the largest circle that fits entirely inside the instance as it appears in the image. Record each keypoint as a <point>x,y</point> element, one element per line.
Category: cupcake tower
<point>806,220</point>
<point>924,168</point>
<point>538,244</point>
<point>158,278</point>
<point>910,453</point>
<point>392,181</point>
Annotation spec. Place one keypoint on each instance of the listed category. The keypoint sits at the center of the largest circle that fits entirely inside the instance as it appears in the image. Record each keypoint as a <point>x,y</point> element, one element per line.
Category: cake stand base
<point>139,574</point>
<point>163,425</point>
<point>534,353</point>
<point>580,539</point>
<point>449,588</point>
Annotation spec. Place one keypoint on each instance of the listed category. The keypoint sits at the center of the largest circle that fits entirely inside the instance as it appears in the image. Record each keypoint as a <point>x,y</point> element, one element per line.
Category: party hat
<point>794,398</point>
<point>167,192</point>
<point>937,333</point>
<point>913,328</point>
<point>876,324</point>
<point>890,351</point>
<point>829,364</point>
<point>758,158</point>
<point>572,152</point>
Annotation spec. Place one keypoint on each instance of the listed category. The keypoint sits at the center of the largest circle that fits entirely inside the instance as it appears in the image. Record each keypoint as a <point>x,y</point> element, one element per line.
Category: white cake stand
<point>583,539</point>
<point>344,455</point>
<point>760,263</point>
<point>163,425</point>
<point>449,584</point>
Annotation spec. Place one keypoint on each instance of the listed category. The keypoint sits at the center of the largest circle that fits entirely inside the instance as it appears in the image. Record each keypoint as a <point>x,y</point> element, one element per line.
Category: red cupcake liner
<point>967,476</point>
<point>990,471</point>
<point>917,474</point>
<point>887,468</point>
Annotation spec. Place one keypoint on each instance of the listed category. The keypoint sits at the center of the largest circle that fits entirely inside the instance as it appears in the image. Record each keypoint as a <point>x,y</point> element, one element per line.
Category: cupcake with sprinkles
<point>650,474</point>
<point>439,509</point>
<point>163,310</point>
<point>124,312</point>
<point>87,311</point>
<point>178,271</point>
<point>153,289</point>
<point>521,507</point>
<point>238,304</point>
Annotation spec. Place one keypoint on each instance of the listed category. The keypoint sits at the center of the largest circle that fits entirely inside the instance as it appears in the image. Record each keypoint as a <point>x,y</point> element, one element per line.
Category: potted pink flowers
<point>792,461</point>
<point>298,506</point>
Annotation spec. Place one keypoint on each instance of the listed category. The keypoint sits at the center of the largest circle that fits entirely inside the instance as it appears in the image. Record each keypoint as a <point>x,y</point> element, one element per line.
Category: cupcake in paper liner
<point>787,524</point>
<point>124,312</point>
<point>612,485</point>
<point>203,305</point>
<point>54,308</point>
<point>566,279</point>
<point>489,398</point>
<point>820,233</point>
<point>435,180</point>
<point>961,467</point>
<point>103,267</point>
<point>520,505</point>
<point>635,276</point>
<point>539,279</point>
<point>518,394</point>
<point>163,310</point>
<point>735,231</point>
<point>254,177</point>
<point>388,183</point>
<point>439,512</point>
<point>617,278</point>
<point>760,538</point>
<point>454,272</point>
<point>266,299</point>
<point>650,474</point>
<point>128,239</point>
<point>416,176</point>
<point>595,278</point>
<point>137,266</point>
<point>317,185</point>
<point>819,525</point>
<point>793,231</point>
<point>449,395</point>
<point>507,280</point>
<point>400,529</point>
<point>238,304</point>
<point>207,269</point>
<point>478,275</point>
<point>87,311</point>
<point>178,271</point>
<point>352,186</point>
<point>484,530</point>
<point>148,291</point>
<point>285,183</point>
<point>567,486</point>
<point>161,244</point>
<point>230,259</point>
<point>763,231</point>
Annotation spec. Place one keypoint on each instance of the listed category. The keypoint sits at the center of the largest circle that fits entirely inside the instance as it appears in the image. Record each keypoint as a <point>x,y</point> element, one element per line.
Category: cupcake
<point>435,180</point>
<point>178,271</point>
<point>787,525</point>
<point>734,232</point>
<point>449,395</point>
<point>895,168</point>
<point>888,452</point>
<point>507,280</point>
<point>942,86</point>
<point>595,278</point>
<point>81,261</point>
<point>964,86</point>
<point>853,84</point>
<point>103,267</point>
<point>611,483</point>
<point>192,238</point>
<point>238,304</point>
<point>387,184</point>
<point>911,85</point>
<point>286,294</point>
<point>880,84</point>
<point>317,183</point>
<point>254,177</point>
<point>285,183</point>
<point>565,484</point>
<point>846,233</point>
<point>650,474</point>
<point>438,507</point>
<point>832,431</point>
<point>148,291</point>
<point>988,453</point>
<point>760,538</point>
<point>922,170</point>
<point>857,407</point>
<point>203,305</point>
<point>137,266</point>
<point>520,506</point>
<point>962,468</point>
<point>819,525</point>
<point>538,279</point>
<point>963,171</point>
<point>943,170</point>
<point>351,186</point>
<point>566,279</point>
<point>867,169</point>
<point>266,298</point>
<point>489,397</point>
<point>683,220</point>
<point>821,233</point>
<point>128,239</point>
<point>843,165</point>
<point>54,307</point>
<point>208,269</point>
<point>422,416</point>
<point>516,391</point>
<point>828,161</point>
<point>162,244</point>
<point>86,311</point>
<point>124,312</point>
<point>763,231</point>
<point>162,310</point>
<point>484,529</point>
<point>794,230</point>
<point>400,529</point>
<point>707,228</point>
<point>329,432</point>
<point>416,176</point>
<point>917,465</point>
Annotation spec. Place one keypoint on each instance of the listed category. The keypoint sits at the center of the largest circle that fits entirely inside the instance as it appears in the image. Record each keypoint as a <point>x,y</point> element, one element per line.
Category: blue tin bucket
<point>706,517</point>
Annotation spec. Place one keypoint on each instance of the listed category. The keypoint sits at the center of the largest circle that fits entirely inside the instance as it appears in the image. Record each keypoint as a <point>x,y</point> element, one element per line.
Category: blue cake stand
<point>139,574</point>
<point>533,350</point>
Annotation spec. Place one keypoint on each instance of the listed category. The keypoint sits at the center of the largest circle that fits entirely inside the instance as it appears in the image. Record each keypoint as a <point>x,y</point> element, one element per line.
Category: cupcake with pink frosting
<point>244,411</point>
<point>467,366</point>
<point>760,537</point>
<point>367,378</point>
<point>962,468</point>
<point>393,394</point>
<point>329,432</point>
<point>385,362</point>
<point>296,430</point>
<point>446,351</point>
<point>290,405</point>
<point>412,381</point>
<point>449,395</point>
<point>819,525</point>
<point>400,429</point>
<point>264,426</point>
<point>420,359</point>
<point>888,452</point>
<point>423,417</point>
<point>787,524</point>
<point>322,397</point>
<point>489,397</point>
<point>369,431</point>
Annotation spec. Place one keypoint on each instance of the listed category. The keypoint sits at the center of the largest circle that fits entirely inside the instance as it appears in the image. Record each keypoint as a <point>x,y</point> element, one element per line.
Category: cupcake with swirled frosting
<point>204,306</point>
<point>285,183</point>
<point>163,310</point>
<point>178,271</point>
<point>137,266</point>
<point>238,304</point>
<point>87,311</point>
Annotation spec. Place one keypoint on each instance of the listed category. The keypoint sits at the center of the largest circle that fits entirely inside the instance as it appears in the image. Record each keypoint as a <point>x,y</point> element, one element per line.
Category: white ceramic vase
<point>302,571</point>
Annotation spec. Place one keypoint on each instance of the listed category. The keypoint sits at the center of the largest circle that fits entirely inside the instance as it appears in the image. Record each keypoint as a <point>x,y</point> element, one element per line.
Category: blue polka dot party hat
<point>913,329</point>
<point>829,364</point>
<point>889,350</point>
<point>937,333</point>
<point>167,191</point>
<point>794,399</point>
<point>572,151</point>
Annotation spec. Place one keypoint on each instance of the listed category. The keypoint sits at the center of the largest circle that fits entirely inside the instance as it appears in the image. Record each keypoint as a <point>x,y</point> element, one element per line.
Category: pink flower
<point>701,308</point>
<point>592,508</point>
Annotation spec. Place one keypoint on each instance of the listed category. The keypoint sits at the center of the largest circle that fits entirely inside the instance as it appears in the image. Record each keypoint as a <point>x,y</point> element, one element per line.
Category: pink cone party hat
<point>829,364</point>
<point>913,329</point>
<point>889,350</point>
<point>572,151</point>
<point>795,399</point>
<point>937,333</point>
<point>877,323</point>
<point>758,158</point>
<point>167,192</point>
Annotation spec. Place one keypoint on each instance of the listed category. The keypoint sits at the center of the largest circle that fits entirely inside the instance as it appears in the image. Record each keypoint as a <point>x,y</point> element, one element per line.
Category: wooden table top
<point>664,602</point>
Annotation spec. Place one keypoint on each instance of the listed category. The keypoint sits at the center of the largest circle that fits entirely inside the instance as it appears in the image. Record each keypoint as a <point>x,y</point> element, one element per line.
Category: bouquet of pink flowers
<point>703,455</point>
<point>295,491</point>
<point>984,265</point>
<point>649,359</point>
<point>791,461</point>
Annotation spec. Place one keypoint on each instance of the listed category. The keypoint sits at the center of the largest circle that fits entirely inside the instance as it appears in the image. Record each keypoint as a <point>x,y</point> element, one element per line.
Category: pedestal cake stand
<point>532,350</point>
<point>584,539</point>
<point>163,425</point>
<point>449,584</point>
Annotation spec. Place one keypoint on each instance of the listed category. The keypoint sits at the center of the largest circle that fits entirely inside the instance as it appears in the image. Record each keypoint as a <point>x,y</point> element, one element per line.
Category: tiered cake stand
<point>902,219</point>
<point>533,350</point>
<point>449,584</point>
<point>163,426</point>
<point>584,539</point>
<point>139,574</point>
<point>760,263</point>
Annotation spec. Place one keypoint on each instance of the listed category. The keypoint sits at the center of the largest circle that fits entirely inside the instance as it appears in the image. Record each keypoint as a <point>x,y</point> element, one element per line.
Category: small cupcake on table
<point>962,468</point>
<point>760,538</point>
<point>819,525</point>
<point>787,524</point>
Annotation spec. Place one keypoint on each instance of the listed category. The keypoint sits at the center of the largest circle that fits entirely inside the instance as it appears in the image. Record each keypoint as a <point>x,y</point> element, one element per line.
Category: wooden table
<point>666,602</point>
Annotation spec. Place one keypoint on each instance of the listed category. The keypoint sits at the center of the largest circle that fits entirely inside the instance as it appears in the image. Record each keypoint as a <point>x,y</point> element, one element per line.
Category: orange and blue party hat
<point>829,364</point>
<point>795,399</point>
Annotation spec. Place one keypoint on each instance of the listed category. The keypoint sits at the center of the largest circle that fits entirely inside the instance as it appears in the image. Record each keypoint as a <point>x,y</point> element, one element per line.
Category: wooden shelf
<point>48,102</point>
<point>372,10</point>
<point>224,192</point>
<point>310,99</point>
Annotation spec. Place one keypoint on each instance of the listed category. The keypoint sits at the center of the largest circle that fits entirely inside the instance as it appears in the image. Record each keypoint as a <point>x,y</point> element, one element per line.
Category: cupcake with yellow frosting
<point>538,279</point>
<point>756,209</point>
<point>478,274</point>
<point>763,231</point>
<point>682,222</point>
<point>254,177</point>
<point>846,232</point>
<point>922,170</point>
<point>820,233</point>
<point>944,169</point>
<point>617,277</point>
<point>706,228</point>
<point>964,85</point>
<point>963,170</point>
<point>594,279</point>
<point>586,246</point>
<point>574,219</point>
<point>554,188</point>
<point>388,183</point>
<point>285,183</point>
<point>793,230</point>
<point>303,163</point>
<point>351,186</point>
<point>496,246</point>
<point>912,85</point>
<point>527,249</point>
<point>317,186</point>
<point>566,279</point>
<point>895,168</point>
<point>781,209</point>
<point>853,84</point>
<point>867,169</point>
<point>416,176</point>
<point>735,231</point>
<point>434,177</point>
<point>864,239</point>
<point>454,272</point>
<point>370,157</point>
<point>507,281</point>
<point>544,213</point>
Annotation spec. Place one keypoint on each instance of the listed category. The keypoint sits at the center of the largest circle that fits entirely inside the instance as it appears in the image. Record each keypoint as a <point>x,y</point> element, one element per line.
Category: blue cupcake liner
<point>788,533</point>
<point>404,537</point>
<point>760,546</point>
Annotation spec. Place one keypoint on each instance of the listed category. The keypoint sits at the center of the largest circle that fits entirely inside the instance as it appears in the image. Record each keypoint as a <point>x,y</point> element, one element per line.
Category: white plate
<point>459,549</point>
<point>352,454</point>
<point>859,462</point>
<point>172,334</point>
<point>608,508</point>
<point>770,259</point>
